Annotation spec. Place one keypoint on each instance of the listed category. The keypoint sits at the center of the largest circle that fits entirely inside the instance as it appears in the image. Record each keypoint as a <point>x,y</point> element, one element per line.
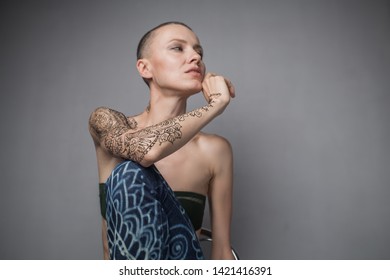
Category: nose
<point>195,57</point>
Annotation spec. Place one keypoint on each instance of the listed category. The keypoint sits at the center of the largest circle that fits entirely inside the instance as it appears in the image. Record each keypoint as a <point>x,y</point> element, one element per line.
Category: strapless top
<point>194,205</point>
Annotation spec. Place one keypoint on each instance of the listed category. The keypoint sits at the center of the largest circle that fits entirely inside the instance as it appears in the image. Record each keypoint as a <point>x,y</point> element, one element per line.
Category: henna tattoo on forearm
<point>116,132</point>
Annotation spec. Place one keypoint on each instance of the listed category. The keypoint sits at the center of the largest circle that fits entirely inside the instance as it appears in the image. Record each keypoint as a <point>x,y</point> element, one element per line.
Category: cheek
<point>162,71</point>
<point>167,68</point>
<point>161,62</point>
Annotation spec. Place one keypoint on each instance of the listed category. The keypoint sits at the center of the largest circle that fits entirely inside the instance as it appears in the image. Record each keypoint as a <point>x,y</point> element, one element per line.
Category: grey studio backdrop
<point>309,127</point>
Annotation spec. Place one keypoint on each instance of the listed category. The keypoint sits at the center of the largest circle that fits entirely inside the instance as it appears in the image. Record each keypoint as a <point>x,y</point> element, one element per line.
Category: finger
<point>206,84</point>
<point>207,97</point>
<point>210,74</point>
<point>206,91</point>
<point>231,88</point>
<point>213,95</point>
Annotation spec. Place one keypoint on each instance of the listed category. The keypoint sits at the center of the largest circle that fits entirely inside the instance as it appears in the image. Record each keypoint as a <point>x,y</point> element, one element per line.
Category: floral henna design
<point>114,130</point>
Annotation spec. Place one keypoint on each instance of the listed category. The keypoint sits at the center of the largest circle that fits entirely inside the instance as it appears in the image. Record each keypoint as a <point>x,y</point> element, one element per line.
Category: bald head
<point>146,40</point>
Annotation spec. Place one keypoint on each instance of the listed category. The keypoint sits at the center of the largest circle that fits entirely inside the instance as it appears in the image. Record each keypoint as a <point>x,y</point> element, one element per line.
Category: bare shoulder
<point>216,152</point>
<point>213,144</point>
<point>103,120</point>
<point>102,117</point>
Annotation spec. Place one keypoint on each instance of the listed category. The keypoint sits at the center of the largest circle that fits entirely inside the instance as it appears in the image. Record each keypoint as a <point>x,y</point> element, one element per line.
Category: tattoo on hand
<point>116,132</point>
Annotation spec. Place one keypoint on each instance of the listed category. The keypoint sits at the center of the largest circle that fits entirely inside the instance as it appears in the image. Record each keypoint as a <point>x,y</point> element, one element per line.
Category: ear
<point>143,67</point>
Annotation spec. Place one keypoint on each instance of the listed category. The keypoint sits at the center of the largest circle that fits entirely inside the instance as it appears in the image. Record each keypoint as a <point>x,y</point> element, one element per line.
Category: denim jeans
<point>144,219</point>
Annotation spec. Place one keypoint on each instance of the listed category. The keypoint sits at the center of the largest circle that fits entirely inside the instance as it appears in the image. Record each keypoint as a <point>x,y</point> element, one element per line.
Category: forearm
<point>221,248</point>
<point>170,135</point>
<point>146,146</point>
<point>222,253</point>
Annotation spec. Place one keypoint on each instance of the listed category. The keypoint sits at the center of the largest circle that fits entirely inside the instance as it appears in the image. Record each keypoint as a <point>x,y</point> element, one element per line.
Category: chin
<point>190,88</point>
<point>196,87</point>
<point>193,91</point>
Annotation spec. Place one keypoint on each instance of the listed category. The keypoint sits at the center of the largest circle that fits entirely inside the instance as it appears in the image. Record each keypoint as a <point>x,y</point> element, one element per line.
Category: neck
<point>162,107</point>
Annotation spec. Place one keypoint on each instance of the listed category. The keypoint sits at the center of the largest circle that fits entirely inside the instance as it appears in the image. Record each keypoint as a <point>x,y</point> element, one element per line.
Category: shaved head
<point>144,43</point>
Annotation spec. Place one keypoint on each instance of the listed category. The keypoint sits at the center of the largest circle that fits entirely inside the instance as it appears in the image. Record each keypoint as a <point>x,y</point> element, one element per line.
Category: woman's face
<point>175,60</point>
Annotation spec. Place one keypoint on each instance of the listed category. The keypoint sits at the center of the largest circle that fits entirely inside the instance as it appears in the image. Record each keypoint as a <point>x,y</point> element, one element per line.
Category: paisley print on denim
<point>144,219</point>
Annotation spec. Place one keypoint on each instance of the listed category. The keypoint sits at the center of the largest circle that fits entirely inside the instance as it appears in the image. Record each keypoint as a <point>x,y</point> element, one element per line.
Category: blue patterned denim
<point>144,219</point>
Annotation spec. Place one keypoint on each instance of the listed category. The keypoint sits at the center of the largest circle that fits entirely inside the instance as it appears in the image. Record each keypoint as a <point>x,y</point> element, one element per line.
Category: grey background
<point>309,127</point>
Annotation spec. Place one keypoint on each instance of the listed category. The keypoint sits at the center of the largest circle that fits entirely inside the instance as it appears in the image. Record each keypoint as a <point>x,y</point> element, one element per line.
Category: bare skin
<point>168,136</point>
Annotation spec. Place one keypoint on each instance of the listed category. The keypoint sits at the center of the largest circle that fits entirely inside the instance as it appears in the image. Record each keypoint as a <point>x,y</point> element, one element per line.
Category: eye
<point>177,48</point>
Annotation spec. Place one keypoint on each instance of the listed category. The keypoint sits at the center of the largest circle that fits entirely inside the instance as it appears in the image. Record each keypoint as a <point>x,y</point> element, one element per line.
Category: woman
<point>165,136</point>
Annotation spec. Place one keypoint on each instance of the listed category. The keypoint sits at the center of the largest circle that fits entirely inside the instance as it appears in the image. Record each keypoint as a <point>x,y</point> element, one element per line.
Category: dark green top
<point>193,203</point>
<point>102,198</point>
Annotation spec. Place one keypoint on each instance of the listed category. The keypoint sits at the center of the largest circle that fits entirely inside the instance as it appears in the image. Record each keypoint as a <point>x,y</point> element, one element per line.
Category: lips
<point>194,70</point>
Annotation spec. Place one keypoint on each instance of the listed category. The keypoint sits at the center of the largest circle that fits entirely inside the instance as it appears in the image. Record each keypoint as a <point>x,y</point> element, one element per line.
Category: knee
<point>128,169</point>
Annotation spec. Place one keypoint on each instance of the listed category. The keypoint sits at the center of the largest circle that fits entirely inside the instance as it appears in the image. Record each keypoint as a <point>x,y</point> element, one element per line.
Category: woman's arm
<point>111,131</point>
<point>220,199</point>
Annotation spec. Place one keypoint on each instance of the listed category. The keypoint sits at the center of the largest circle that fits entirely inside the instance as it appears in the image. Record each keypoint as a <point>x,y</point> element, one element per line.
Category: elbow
<point>146,163</point>
<point>148,159</point>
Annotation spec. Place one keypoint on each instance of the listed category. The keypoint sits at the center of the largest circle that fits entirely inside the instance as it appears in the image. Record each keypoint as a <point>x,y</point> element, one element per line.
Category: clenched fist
<point>217,90</point>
